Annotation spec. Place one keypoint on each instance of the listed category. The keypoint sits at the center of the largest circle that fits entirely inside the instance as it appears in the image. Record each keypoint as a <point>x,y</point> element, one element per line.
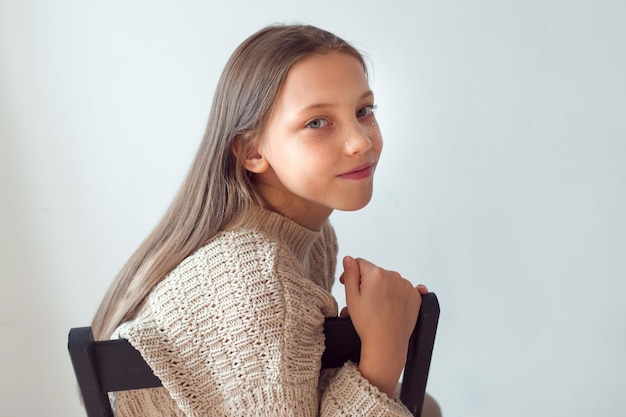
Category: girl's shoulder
<point>227,251</point>
<point>271,247</point>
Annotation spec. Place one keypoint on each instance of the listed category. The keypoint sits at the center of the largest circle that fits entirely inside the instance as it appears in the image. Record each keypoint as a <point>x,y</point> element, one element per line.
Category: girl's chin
<point>354,205</point>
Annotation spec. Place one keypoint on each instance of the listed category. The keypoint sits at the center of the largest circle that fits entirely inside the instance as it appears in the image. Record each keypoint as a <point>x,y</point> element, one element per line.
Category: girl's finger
<point>421,288</point>
<point>351,277</point>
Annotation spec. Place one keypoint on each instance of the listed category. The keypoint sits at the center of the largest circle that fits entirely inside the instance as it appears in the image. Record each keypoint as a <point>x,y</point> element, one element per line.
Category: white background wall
<point>502,184</point>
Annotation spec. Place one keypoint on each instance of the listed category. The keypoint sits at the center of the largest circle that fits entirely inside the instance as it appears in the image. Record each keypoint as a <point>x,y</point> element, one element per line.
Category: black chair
<point>115,365</point>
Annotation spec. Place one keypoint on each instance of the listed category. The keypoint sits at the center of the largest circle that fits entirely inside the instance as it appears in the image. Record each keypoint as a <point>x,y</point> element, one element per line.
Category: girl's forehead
<point>323,79</point>
<point>330,64</point>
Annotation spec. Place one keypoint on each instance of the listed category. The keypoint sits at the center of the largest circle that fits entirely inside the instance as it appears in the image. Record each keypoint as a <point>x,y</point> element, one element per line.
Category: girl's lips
<point>358,173</point>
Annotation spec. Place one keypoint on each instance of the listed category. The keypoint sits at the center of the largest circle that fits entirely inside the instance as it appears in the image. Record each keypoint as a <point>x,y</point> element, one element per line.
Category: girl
<point>227,297</point>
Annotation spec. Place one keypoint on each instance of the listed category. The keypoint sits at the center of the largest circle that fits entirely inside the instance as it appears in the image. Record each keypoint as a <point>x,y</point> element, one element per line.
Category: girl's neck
<point>313,218</point>
<point>306,213</point>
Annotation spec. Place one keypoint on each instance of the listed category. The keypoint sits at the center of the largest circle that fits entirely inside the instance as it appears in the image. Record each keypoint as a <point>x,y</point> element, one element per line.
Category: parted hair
<point>217,188</point>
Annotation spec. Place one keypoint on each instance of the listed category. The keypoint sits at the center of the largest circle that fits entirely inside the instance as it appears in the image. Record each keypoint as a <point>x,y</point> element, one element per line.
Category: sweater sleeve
<point>349,394</point>
<point>243,335</point>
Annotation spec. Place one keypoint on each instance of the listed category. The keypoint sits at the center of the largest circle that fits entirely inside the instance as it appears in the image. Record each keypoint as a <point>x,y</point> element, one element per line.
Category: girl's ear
<point>247,152</point>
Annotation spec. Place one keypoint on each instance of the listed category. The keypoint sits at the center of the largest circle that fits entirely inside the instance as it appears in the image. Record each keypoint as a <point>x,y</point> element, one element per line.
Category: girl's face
<point>321,144</point>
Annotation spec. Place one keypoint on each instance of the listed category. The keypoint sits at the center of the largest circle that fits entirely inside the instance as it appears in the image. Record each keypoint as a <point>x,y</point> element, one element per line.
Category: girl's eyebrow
<point>316,106</point>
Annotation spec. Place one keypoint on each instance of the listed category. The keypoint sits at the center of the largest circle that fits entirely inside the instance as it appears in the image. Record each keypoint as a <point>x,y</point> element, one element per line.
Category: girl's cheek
<point>373,131</point>
<point>372,127</point>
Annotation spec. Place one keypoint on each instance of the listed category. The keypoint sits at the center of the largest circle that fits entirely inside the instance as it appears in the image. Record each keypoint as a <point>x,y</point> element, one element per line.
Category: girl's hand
<point>383,307</point>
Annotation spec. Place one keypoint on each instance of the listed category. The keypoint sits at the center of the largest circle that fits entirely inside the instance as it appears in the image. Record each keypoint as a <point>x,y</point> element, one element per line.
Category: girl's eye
<point>317,124</point>
<point>366,111</point>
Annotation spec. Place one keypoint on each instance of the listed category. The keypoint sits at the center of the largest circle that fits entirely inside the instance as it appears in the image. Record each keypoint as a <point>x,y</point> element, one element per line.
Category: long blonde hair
<point>217,187</point>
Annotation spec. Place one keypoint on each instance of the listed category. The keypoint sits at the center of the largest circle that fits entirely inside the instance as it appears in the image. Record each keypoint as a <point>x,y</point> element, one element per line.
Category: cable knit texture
<point>237,330</point>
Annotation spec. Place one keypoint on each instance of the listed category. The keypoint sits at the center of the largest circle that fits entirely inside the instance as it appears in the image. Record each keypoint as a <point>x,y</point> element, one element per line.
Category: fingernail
<point>347,261</point>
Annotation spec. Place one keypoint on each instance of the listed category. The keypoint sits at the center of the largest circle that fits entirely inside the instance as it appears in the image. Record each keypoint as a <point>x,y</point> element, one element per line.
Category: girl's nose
<point>357,139</point>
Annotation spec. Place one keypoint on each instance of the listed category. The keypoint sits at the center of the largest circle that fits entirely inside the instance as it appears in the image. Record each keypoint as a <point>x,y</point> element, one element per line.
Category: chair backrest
<point>115,365</point>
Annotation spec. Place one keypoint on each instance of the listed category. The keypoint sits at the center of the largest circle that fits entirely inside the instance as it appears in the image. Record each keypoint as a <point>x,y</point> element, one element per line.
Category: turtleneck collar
<point>298,238</point>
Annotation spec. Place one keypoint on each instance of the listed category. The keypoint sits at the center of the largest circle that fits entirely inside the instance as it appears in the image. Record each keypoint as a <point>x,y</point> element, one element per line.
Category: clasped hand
<point>383,307</point>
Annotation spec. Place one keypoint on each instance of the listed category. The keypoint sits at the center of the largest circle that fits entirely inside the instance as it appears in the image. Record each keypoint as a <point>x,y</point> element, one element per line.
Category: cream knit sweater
<point>236,329</point>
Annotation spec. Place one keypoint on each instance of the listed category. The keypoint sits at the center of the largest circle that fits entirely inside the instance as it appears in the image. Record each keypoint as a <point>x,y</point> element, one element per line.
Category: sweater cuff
<point>351,393</point>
